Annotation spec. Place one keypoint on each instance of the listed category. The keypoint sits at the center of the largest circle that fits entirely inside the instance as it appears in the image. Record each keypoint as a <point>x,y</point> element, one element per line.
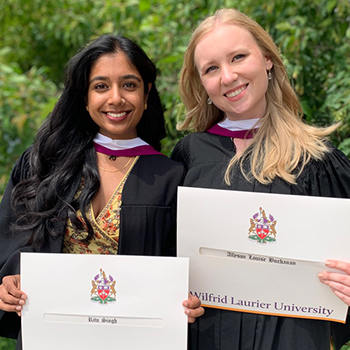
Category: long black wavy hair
<point>63,146</point>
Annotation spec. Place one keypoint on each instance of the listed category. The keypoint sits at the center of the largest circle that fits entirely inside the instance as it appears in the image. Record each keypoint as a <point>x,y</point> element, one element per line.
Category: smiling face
<point>233,71</point>
<point>116,96</point>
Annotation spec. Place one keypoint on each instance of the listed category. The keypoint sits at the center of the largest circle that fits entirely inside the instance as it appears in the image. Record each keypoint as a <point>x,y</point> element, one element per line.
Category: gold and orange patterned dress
<point>105,225</point>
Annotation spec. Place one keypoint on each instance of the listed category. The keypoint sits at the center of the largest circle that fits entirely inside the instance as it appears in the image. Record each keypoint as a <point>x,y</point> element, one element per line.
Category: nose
<point>228,75</point>
<point>115,97</point>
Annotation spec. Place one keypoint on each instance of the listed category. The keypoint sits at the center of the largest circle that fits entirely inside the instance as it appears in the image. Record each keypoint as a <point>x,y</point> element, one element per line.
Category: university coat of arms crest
<point>103,289</point>
<point>262,227</point>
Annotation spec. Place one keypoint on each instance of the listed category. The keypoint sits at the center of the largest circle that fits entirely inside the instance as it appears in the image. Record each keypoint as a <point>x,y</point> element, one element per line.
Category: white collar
<point>118,144</point>
<point>235,125</point>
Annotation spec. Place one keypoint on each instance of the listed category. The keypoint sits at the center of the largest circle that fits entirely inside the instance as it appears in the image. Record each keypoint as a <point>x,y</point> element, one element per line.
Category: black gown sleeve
<point>330,178</point>
<point>179,154</point>
<point>148,211</point>
<point>11,244</point>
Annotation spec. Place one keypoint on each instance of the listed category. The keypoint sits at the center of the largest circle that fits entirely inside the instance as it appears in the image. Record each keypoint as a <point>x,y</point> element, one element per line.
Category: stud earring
<point>209,101</point>
<point>269,75</point>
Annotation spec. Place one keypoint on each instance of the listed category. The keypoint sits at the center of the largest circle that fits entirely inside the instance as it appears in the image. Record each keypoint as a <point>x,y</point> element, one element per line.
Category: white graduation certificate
<point>103,302</point>
<point>261,253</point>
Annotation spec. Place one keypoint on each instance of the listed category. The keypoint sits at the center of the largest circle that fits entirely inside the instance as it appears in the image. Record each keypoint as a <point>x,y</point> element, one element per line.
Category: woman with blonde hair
<point>250,137</point>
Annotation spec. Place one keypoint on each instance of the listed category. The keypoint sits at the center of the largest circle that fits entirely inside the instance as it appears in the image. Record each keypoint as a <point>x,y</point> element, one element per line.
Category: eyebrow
<point>123,77</point>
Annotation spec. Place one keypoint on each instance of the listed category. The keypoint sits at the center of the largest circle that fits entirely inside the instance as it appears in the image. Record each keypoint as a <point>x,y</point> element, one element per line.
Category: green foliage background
<point>37,37</point>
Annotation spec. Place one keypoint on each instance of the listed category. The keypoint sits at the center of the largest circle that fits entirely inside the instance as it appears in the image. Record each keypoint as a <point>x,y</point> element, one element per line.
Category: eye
<point>211,69</point>
<point>129,85</point>
<point>101,86</point>
<point>238,57</point>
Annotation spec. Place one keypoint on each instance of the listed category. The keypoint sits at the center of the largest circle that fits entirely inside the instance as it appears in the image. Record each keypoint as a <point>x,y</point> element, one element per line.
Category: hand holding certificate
<point>266,256</point>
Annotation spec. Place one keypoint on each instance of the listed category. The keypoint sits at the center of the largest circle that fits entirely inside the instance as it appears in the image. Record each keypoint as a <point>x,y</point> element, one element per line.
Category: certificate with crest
<point>103,302</point>
<point>261,253</point>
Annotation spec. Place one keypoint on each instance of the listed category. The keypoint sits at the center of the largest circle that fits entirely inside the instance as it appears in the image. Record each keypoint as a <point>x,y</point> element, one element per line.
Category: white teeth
<point>116,115</point>
<point>235,93</point>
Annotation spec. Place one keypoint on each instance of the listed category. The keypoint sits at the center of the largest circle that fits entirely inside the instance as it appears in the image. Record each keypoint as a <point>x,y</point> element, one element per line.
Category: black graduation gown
<point>205,157</point>
<point>147,223</point>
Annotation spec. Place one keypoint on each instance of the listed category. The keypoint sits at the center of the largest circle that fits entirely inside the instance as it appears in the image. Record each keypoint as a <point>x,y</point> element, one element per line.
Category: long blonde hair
<point>284,142</point>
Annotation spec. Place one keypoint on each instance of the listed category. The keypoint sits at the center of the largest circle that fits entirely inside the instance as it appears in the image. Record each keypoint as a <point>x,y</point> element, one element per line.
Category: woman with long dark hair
<point>94,180</point>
